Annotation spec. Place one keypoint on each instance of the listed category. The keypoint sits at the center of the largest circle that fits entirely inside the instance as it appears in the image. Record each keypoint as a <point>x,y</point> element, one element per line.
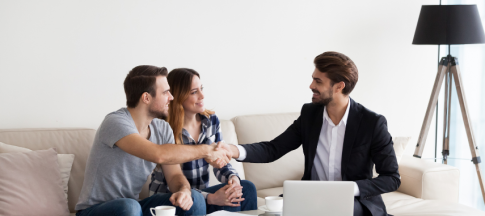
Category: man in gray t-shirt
<point>128,145</point>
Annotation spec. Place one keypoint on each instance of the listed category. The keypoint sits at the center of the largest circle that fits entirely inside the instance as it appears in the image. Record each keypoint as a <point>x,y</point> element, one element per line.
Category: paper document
<point>226,213</point>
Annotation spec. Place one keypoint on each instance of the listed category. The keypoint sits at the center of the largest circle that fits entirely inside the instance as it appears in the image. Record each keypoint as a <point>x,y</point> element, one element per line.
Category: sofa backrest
<point>77,141</point>
<point>265,127</point>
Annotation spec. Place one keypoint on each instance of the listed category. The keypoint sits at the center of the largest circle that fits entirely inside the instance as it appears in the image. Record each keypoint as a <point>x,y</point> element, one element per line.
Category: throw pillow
<point>31,184</point>
<point>65,162</point>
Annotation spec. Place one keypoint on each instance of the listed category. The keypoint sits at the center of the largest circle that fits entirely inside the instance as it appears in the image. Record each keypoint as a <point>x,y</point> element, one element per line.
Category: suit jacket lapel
<point>315,133</point>
<point>353,122</point>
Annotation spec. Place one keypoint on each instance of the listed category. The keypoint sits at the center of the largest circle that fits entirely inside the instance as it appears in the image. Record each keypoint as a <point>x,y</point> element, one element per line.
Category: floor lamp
<point>449,24</point>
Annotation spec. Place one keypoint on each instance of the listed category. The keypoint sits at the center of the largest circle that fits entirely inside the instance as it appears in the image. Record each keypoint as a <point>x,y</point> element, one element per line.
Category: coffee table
<point>252,212</point>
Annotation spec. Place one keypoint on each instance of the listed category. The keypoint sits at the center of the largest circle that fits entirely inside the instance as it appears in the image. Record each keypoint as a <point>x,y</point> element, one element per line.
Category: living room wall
<point>62,63</point>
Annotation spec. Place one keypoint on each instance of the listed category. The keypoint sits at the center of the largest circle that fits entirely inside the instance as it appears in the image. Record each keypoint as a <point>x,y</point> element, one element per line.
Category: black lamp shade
<point>449,24</point>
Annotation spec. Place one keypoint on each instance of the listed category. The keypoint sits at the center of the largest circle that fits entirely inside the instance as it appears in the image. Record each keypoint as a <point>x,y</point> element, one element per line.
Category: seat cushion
<point>400,204</point>
<point>435,208</point>
<point>397,199</point>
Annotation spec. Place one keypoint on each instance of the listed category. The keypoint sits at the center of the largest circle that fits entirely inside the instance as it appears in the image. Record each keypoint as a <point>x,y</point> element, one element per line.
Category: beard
<point>161,114</point>
<point>323,99</point>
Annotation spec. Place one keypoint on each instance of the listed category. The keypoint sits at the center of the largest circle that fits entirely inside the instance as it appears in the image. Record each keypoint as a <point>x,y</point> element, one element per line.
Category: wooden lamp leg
<point>446,119</point>
<point>455,70</point>
<point>442,69</point>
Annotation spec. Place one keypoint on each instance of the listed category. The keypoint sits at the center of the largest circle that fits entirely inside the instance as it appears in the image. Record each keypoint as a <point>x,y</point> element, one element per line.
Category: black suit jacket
<point>366,142</point>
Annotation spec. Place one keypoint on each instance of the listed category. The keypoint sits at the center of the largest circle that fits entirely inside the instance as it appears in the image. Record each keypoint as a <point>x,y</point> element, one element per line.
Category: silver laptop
<point>318,198</point>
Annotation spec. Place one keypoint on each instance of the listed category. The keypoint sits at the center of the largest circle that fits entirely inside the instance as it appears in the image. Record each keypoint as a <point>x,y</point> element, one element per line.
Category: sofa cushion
<point>435,208</point>
<point>257,128</point>
<point>400,144</point>
<point>64,161</point>
<point>400,204</point>
<point>77,141</point>
<point>31,184</point>
<point>397,199</point>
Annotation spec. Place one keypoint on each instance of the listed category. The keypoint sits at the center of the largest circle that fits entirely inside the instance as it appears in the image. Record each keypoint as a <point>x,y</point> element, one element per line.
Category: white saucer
<point>263,208</point>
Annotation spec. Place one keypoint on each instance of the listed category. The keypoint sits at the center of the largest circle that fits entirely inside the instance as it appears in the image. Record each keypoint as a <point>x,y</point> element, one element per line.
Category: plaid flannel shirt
<point>196,171</point>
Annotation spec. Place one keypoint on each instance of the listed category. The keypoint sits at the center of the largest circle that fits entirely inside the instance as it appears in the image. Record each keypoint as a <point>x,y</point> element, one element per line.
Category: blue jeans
<point>131,207</point>
<point>249,195</point>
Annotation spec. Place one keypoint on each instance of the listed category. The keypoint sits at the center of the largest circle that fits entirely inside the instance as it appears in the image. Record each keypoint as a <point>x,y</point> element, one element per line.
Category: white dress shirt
<point>327,165</point>
<point>328,158</point>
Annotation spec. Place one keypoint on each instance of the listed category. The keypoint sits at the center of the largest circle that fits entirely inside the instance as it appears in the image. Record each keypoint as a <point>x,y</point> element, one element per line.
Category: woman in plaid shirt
<point>192,124</point>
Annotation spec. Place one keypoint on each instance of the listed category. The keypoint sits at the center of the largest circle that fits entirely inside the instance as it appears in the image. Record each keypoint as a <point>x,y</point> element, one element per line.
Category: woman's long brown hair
<point>180,82</point>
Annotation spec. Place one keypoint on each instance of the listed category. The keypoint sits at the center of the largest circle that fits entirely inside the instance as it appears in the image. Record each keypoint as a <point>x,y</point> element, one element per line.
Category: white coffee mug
<point>163,211</point>
<point>274,203</point>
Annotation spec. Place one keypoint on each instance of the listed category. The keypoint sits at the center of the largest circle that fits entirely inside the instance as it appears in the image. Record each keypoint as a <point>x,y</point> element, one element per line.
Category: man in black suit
<point>342,140</point>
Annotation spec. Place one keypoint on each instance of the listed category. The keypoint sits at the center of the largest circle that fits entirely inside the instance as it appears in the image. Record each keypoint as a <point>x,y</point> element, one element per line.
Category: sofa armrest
<point>428,180</point>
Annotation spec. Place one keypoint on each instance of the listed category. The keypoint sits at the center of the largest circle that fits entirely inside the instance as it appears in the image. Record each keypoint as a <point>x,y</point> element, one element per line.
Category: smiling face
<point>195,101</point>
<point>322,88</point>
<point>158,108</point>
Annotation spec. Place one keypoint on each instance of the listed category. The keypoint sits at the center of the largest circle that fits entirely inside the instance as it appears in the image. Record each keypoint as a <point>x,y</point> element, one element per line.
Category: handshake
<point>220,154</point>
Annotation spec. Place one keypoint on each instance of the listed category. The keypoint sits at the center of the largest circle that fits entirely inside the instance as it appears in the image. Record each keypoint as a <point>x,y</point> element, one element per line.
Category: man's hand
<point>182,199</point>
<point>232,149</point>
<point>219,157</point>
<point>235,189</point>
<point>220,199</point>
<point>221,145</point>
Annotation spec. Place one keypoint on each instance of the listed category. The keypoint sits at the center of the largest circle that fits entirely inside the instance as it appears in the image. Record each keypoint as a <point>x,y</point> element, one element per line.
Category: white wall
<point>62,63</point>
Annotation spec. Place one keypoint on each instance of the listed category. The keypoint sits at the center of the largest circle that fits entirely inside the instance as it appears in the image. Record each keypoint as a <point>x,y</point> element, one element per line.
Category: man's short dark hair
<point>139,80</point>
<point>338,68</point>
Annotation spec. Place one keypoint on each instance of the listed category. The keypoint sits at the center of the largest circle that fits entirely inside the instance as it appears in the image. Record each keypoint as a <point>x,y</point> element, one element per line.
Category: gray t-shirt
<point>112,173</point>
